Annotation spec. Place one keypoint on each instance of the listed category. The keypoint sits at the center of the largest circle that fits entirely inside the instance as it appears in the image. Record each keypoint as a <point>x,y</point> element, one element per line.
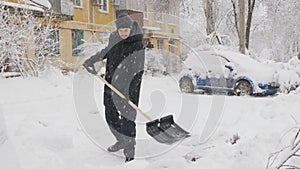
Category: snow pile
<point>289,80</point>
<point>288,74</point>
<point>294,64</point>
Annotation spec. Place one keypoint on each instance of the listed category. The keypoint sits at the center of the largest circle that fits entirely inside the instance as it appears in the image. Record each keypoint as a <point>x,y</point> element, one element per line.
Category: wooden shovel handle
<point>123,97</point>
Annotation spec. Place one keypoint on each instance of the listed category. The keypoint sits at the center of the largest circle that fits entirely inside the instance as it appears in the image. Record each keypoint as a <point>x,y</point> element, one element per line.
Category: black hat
<point>124,21</point>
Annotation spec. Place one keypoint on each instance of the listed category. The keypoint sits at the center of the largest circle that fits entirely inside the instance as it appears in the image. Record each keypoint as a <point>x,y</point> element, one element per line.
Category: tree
<point>244,37</point>
<point>251,4</point>
<point>25,40</point>
<point>281,28</point>
<point>242,26</point>
<point>163,6</point>
<point>210,16</point>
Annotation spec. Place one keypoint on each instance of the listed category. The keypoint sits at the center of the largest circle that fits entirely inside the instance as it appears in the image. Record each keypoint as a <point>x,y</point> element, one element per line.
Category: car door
<point>217,75</point>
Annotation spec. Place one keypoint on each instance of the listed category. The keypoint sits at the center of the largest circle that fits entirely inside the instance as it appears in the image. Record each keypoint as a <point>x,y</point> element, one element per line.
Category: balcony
<point>63,8</point>
<point>133,5</point>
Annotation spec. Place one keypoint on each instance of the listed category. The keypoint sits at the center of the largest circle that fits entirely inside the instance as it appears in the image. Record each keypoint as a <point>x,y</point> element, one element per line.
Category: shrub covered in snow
<point>161,62</point>
<point>25,40</point>
<point>288,74</point>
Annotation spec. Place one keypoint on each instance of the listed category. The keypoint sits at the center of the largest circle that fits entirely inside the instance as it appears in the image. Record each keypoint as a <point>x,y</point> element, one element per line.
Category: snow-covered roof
<point>23,6</point>
<point>40,3</point>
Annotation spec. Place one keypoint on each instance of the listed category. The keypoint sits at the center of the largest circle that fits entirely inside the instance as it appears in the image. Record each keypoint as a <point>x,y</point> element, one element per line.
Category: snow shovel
<point>164,130</point>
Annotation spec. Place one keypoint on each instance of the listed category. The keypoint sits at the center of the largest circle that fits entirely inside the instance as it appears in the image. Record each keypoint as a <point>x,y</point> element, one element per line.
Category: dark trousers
<point>122,125</point>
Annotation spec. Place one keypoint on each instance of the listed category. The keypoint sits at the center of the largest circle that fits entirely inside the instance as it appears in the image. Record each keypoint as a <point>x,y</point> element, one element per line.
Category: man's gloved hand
<point>90,67</point>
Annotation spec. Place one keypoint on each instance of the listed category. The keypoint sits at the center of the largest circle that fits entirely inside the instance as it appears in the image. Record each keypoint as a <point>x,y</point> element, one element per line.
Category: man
<point>124,69</point>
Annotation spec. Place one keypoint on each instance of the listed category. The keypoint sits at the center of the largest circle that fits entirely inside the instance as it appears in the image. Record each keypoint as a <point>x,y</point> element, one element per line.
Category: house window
<point>77,3</point>
<point>171,46</point>
<point>136,5</point>
<point>54,43</point>
<point>172,16</point>
<point>145,12</point>
<point>77,42</point>
<point>159,17</point>
<point>103,5</point>
<point>160,43</point>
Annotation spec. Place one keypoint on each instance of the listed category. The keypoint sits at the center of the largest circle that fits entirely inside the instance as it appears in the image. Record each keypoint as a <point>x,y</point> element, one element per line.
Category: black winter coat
<point>124,66</point>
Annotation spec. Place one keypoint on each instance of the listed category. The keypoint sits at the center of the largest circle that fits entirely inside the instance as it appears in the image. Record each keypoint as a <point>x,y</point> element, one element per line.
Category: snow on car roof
<point>200,60</point>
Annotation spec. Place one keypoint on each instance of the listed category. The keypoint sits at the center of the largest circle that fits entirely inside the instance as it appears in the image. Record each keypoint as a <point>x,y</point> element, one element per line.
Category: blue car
<point>227,72</point>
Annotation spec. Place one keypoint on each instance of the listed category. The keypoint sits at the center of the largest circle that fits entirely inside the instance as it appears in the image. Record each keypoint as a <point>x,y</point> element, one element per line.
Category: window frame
<point>78,6</point>
<point>159,19</point>
<point>107,7</point>
<point>160,46</point>
<point>171,45</point>
<point>145,12</point>
<point>172,17</point>
<point>78,33</point>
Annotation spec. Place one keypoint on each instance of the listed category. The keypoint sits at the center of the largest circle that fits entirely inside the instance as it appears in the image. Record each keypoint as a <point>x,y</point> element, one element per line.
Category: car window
<point>213,63</point>
<point>206,61</point>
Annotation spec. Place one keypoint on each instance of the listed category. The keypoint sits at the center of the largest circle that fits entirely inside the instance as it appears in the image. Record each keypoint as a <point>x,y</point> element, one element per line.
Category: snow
<point>50,123</point>
<point>23,6</point>
<point>43,3</point>
<point>205,58</point>
<point>7,153</point>
<point>208,59</point>
<point>151,28</point>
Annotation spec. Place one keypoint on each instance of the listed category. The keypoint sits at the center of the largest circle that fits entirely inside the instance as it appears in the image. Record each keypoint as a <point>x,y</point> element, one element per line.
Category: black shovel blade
<point>168,125</point>
<point>166,131</point>
<point>154,131</point>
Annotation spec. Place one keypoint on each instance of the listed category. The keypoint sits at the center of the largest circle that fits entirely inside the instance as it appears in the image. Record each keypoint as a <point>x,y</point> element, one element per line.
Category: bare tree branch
<point>295,139</point>
<point>290,167</point>
<point>25,40</point>
<point>290,151</point>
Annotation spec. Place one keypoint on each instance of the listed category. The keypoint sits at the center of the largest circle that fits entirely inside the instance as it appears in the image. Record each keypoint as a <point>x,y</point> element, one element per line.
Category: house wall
<point>89,19</point>
<point>167,30</point>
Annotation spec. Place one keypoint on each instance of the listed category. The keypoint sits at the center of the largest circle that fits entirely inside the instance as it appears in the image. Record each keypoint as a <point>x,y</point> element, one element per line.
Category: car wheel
<point>186,85</point>
<point>243,88</point>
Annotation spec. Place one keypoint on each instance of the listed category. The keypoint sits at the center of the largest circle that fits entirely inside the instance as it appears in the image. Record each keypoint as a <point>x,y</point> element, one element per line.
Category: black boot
<point>116,147</point>
<point>129,153</point>
<point>128,159</point>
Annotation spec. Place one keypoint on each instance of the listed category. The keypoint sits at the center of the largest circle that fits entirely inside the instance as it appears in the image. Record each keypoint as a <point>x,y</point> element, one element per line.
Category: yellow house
<point>92,20</point>
<point>78,22</point>
<point>161,28</point>
<point>82,21</point>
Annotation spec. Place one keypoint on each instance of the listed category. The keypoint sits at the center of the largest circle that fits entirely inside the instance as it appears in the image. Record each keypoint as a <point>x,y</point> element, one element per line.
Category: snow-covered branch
<point>25,40</point>
<point>285,154</point>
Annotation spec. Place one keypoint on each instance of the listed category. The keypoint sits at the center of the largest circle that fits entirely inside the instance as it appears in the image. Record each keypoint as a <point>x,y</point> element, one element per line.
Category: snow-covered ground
<point>56,122</point>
